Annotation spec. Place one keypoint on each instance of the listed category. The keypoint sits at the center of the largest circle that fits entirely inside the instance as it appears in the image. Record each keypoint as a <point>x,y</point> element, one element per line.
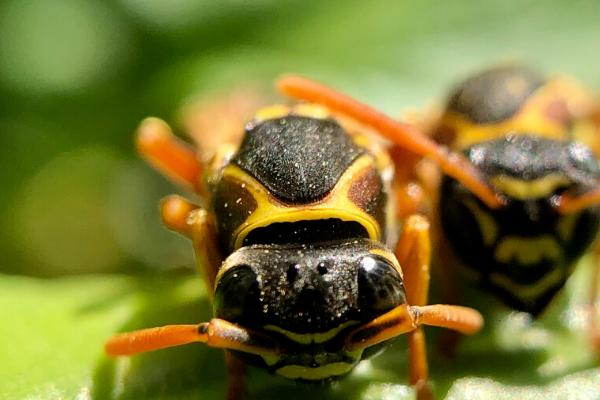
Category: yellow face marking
<point>269,210</point>
<point>529,190</point>
<point>487,224</point>
<point>531,291</point>
<point>307,338</point>
<point>527,251</point>
<point>315,374</point>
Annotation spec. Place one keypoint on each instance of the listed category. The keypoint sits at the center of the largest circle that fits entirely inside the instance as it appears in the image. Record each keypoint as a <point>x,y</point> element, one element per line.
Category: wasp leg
<point>169,155</point>
<point>236,377</point>
<point>447,268</point>
<point>175,211</point>
<point>180,215</point>
<point>414,254</point>
<point>403,135</point>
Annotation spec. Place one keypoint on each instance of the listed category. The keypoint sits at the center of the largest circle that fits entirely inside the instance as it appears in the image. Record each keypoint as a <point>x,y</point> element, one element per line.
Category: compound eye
<point>380,286</point>
<point>237,295</point>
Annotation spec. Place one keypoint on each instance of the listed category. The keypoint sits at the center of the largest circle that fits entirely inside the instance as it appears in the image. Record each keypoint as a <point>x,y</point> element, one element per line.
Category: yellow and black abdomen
<point>525,250</point>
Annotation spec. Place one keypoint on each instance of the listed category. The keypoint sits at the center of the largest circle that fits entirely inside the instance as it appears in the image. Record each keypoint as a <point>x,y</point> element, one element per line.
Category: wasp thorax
<point>320,288</point>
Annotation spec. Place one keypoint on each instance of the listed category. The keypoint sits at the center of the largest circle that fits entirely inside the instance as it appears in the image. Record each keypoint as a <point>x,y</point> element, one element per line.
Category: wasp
<point>534,140</point>
<point>295,241</point>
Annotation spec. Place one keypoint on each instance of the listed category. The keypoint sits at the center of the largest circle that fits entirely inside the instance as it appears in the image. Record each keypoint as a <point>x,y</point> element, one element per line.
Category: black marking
<point>265,290</point>
<point>494,95</point>
<point>307,232</point>
<point>298,159</point>
<point>292,272</point>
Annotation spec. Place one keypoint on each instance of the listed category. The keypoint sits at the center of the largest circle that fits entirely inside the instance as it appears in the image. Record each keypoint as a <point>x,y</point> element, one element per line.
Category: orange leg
<point>196,223</point>
<point>236,377</point>
<point>403,135</point>
<point>414,254</point>
<point>172,157</point>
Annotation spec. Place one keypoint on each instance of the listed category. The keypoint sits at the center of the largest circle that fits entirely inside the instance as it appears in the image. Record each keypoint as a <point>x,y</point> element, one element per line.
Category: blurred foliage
<point>76,77</point>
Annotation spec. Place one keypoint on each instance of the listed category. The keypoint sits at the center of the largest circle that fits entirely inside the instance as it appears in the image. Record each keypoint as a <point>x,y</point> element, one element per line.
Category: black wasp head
<point>308,289</point>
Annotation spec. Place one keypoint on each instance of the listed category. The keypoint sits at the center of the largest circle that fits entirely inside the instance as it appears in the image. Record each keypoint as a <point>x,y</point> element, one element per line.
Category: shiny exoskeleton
<point>526,135</point>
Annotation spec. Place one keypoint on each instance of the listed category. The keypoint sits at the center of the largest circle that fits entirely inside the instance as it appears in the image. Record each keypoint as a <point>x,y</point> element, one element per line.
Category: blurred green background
<point>83,253</point>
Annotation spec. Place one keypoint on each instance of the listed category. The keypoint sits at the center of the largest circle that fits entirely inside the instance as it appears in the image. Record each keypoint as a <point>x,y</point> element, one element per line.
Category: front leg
<point>414,254</point>
<point>180,215</point>
<point>236,377</point>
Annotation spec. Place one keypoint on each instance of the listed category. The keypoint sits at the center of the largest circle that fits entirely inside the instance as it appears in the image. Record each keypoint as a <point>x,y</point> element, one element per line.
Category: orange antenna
<point>216,333</point>
<point>404,135</point>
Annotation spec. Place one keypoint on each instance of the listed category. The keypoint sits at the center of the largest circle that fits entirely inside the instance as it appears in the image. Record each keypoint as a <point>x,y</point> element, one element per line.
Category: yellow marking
<point>280,111</point>
<point>307,338</point>
<point>531,119</point>
<point>527,190</point>
<point>566,226</point>
<point>271,112</point>
<point>311,110</point>
<point>270,359</point>
<point>527,250</point>
<point>487,224</point>
<point>269,210</point>
<point>315,374</point>
<point>530,291</point>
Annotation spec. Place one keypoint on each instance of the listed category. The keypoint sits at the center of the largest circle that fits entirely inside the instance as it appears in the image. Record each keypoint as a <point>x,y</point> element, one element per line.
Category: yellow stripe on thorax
<point>531,119</point>
<point>270,210</point>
